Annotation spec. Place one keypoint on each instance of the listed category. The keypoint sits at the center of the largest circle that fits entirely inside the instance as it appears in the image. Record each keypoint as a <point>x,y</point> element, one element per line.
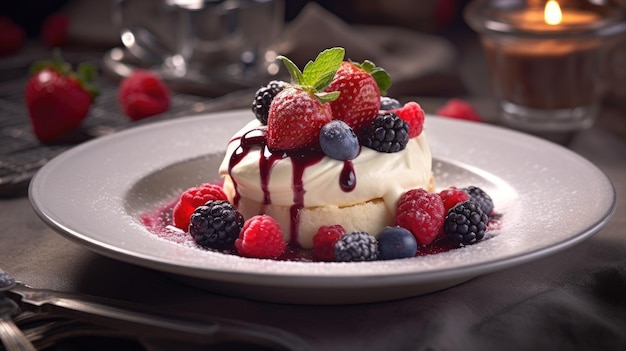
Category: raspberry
<point>457,108</point>
<point>356,246</point>
<point>324,242</point>
<point>193,198</point>
<point>143,94</point>
<point>261,237</point>
<point>387,133</point>
<point>413,114</point>
<point>422,213</point>
<point>481,198</point>
<point>263,99</point>
<point>216,224</point>
<point>465,223</point>
<point>452,196</point>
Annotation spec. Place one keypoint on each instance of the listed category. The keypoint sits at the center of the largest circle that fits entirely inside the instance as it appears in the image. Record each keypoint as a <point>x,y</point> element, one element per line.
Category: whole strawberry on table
<point>58,98</point>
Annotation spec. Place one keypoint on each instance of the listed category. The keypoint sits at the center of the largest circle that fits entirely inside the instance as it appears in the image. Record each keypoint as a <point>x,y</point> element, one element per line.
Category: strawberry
<point>13,36</point>
<point>143,94</point>
<point>359,98</point>
<point>57,98</point>
<point>299,111</point>
<point>54,30</point>
<point>457,108</point>
<point>295,119</point>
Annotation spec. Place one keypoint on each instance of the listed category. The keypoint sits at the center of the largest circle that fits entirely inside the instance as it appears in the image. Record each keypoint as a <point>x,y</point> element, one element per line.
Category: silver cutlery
<point>11,336</point>
<point>147,323</point>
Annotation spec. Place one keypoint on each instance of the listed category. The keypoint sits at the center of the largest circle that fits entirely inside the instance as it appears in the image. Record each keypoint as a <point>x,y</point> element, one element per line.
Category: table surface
<point>575,299</point>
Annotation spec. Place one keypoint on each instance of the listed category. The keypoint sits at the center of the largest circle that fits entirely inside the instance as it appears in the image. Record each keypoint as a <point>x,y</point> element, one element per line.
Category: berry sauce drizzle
<point>347,178</point>
<point>300,160</point>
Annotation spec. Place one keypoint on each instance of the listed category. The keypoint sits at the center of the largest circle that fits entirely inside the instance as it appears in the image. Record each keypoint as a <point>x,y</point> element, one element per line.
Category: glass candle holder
<point>547,61</point>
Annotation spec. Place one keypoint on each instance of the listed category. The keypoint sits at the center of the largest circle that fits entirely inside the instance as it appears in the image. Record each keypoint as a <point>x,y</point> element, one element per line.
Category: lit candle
<point>546,61</point>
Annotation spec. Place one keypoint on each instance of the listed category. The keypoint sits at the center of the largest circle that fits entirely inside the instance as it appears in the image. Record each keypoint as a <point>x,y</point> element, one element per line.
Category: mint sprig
<point>382,78</point>
<point>317,74</point>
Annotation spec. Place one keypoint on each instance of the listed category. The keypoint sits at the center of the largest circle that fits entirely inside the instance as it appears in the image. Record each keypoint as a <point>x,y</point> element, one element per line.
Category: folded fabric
<point>419,64</point>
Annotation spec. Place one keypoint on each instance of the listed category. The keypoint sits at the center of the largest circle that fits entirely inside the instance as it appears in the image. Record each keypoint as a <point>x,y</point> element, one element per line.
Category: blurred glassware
<point>225,39</point>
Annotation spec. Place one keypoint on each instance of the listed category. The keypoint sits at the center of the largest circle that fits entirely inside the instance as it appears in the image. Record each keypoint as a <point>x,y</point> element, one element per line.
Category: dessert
<point>305,188</point>
<point>331,169</point>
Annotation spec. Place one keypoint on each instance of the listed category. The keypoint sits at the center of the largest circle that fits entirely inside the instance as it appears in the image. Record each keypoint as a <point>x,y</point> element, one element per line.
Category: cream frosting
<point>378,175</point>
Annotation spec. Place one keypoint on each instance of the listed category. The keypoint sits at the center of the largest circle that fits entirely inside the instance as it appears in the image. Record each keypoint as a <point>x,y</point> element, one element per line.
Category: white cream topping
<point>378,175</point>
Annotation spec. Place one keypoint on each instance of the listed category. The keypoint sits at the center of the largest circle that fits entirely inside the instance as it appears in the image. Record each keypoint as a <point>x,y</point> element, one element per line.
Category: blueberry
<point>396,242</point>
<point>339,141</point>
<point>387,103</point>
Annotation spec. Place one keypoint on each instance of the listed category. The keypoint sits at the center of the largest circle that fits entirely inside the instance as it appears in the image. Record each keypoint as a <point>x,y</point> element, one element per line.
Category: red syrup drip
<point>347,178</point>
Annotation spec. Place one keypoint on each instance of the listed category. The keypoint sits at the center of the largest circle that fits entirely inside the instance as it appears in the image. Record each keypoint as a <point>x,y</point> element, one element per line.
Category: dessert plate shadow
<point>96,193</point>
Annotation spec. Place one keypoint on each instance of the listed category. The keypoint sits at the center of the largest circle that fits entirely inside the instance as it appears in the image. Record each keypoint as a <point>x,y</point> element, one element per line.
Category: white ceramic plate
<point>550,199</point>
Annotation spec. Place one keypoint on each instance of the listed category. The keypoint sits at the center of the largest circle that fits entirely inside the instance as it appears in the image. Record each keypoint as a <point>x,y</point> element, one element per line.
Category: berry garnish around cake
<point>261,237</point>
<point>216,224</point>
<point>422,213</point>
<point>465,223</point>
<point>360,87</point>
<point>324,242</point>
<point>338,141</point>
<point>396,242</point>
<point>299,111</point>
<point>452,196</point>
<point>387,133</point>
<point>191,199</point>
<point>356,246</point>
<point>481,198</point>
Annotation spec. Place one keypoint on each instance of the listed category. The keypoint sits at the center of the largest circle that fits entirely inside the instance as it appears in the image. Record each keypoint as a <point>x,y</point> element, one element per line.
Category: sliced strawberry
<point>143,94</point>
<point>359,96</point>
<point>413,114</point>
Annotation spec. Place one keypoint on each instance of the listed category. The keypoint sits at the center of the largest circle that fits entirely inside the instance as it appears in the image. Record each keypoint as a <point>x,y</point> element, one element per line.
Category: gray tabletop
<point>574,299</point>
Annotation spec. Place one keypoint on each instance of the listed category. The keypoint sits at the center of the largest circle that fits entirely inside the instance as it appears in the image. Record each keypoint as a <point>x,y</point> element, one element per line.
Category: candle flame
<point>552,13</point>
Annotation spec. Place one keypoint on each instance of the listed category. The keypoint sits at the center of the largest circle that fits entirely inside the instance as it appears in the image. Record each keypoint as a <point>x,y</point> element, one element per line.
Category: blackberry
<point>465,223</point>
<point>216,224</point>
<point>263,99</point>
<point>387,103</point>
<point>356,246</point>
<point>481,198</point>
<point>387,133</point>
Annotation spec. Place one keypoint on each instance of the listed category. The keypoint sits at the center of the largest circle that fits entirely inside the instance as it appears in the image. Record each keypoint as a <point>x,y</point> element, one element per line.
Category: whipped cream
<point>378,175</point>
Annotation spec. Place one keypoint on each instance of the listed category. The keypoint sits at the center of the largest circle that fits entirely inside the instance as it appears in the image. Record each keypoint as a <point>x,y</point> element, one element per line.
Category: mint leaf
<point>294,71</point>
<point>320,73</point>
<point>327,96</point>
<point>382,78</point>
